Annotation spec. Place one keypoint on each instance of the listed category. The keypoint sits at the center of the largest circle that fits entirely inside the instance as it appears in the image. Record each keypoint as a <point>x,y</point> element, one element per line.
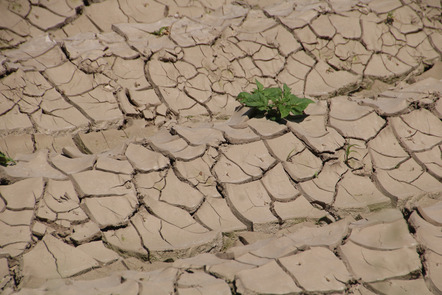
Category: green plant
<point>276,103</point>
<point>348,151</point>
<point>5,160</point>
<point>390,18</point>
<point>290,154</point>
<point>162,31</point>
<point>228,240</point>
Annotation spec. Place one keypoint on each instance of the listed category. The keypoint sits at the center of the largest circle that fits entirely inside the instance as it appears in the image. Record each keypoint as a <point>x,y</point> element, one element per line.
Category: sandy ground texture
<point>137,172</point>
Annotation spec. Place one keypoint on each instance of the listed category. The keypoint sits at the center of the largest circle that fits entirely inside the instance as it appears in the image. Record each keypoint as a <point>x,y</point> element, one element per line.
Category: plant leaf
<point>256,99</point>
<point>261,102</point>
<point>290,154</point>
<point>298,105</point>
<point>5,160</point>
<point>274,94</point>
<point>284,110</point>
<point>243,96</point>
<point>259,86</point>
<point>287,91</point>
<point>276,102</point>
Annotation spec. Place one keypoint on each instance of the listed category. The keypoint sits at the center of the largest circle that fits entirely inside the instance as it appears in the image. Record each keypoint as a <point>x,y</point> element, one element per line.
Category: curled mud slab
<point>137,172</point>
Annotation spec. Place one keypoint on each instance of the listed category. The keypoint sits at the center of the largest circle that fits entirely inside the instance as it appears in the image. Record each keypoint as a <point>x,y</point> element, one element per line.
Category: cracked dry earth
<point>137,172</point>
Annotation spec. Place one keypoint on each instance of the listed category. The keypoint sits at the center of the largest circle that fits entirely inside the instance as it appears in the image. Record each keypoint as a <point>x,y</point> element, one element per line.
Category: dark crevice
<point>80,145</point>
<point>420,248</point>
<point>142,256</point>
<point>295,280</point>
<point>325,156</point>
<point>69,101</point>
<point>157,89</point>
<point>198,102</point>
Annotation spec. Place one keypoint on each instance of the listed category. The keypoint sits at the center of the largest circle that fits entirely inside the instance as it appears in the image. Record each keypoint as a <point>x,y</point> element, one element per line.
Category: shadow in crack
<point>242,114</point>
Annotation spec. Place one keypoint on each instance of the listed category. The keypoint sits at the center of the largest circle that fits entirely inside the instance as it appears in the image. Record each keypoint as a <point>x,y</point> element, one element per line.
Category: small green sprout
<point>162,31</point>
<point>348,151</point>
<point>390,18</point>
<point>290,154</point>
<point>5,160</point>
<point>274,102</point>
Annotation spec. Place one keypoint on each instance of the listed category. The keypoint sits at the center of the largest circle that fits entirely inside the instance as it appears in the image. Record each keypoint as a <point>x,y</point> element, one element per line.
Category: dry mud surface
<point>137,172</point>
